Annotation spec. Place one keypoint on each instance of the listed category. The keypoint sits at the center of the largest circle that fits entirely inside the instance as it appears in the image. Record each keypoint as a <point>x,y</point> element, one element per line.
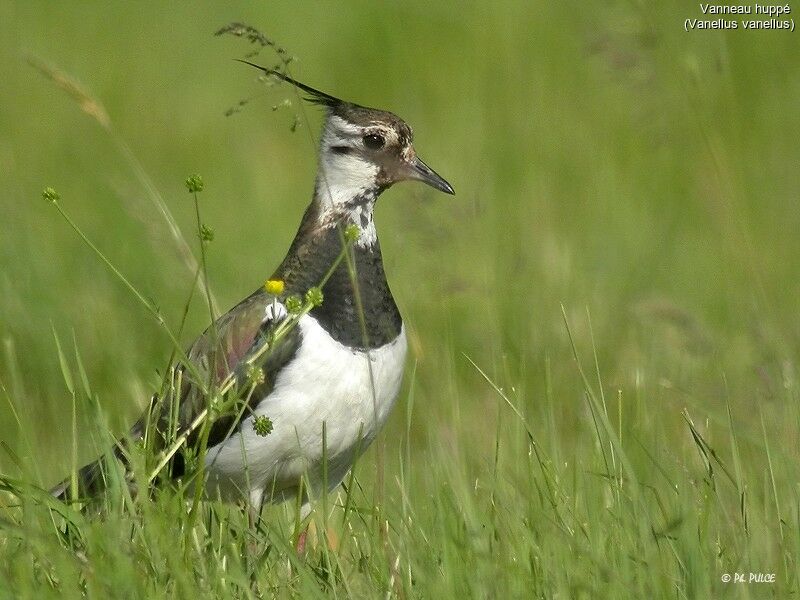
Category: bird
<point>326,385</point>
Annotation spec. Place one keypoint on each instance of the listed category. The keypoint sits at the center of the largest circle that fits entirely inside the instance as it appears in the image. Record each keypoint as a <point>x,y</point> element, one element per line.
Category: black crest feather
<point>314,96</point>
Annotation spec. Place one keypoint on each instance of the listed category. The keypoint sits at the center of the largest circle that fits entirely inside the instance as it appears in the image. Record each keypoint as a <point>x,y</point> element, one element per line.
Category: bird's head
<point>363,150</point>
<point>372,149</point>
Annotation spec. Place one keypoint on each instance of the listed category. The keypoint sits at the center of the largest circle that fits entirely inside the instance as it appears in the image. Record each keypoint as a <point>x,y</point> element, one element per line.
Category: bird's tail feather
<point>91,479</point>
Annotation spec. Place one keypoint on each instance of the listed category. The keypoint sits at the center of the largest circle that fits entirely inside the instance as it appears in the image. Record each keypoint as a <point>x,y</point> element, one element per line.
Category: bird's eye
<point>373,141</point>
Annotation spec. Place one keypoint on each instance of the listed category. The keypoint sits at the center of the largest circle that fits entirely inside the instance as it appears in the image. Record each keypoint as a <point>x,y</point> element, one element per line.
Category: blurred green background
<point>604,159</point>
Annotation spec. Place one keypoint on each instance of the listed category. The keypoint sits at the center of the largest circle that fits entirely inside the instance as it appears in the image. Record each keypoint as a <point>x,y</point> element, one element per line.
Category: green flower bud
<point>262,425</point>
<point>194,184</point>
<point>255,375</point>
<point>293,304</point>
<point>314,296</point>
<point>351,233</point>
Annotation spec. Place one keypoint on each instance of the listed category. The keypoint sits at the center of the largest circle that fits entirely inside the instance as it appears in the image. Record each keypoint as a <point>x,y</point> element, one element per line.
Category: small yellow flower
<point>274,286</point>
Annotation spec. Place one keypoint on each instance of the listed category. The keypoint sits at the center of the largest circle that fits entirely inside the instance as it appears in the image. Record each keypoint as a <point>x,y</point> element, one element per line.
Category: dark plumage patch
<point>313,252</point>
<point>404,134</point>
<point>364,116</point>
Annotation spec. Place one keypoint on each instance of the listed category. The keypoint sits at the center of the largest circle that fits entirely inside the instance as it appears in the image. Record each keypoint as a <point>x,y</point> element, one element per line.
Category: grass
<point>602,394</point>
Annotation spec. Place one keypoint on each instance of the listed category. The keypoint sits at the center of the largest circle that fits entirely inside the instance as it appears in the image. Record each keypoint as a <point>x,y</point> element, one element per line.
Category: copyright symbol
<point>726,578</point>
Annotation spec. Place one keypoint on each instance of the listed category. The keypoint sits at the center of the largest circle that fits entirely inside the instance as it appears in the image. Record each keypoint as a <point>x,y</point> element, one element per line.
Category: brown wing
<point>224,347</point>
<point>234,336</point>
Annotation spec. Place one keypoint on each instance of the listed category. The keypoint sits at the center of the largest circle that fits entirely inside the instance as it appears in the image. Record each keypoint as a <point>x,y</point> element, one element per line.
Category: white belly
<point>351,392</point>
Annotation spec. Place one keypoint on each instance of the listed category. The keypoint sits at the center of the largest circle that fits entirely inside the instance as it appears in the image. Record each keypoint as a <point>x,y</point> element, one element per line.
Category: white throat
<point>346,187</point>
<point>342,179</point>
<point>339,198</point>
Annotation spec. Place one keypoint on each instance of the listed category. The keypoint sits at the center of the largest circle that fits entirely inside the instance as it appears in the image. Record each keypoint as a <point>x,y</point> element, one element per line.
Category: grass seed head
<point>206,233</point>
<point>51,195</point>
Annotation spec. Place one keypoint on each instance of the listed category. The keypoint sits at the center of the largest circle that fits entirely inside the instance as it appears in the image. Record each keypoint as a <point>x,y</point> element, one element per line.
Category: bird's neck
<point>320,239</point>
<point>345,193</point>
<point>317,247</point>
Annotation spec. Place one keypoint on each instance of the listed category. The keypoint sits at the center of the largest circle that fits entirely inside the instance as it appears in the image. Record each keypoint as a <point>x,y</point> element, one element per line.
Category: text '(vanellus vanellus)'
<point>339,367</point>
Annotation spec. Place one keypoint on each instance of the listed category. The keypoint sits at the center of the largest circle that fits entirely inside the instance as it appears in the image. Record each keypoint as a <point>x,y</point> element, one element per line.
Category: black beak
<point>422,172</point>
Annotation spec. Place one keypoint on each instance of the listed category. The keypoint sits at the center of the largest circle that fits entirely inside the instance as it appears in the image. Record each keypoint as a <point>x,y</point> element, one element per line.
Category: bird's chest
<point>358,310</point>
<point>344,387</point>
<point>349,393</point>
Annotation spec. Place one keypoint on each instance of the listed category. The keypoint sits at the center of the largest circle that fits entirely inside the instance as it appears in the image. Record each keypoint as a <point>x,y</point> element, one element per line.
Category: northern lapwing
<point>340,367</point>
